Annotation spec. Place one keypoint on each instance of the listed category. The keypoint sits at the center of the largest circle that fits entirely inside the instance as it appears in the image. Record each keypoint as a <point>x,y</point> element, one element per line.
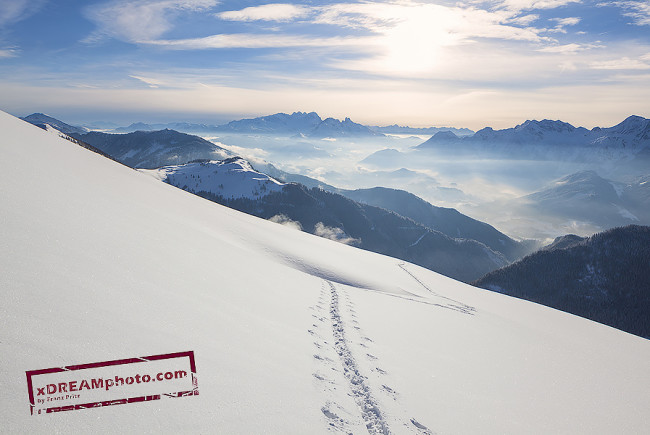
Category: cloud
<point>392,37</point>
<point>336,234</point>
<point>12,11</point>
<point>562,23</point>
<point>428,23</point>
<point>639,11</point>
<point>153,83</point>
<point>571,48</point>
<point>8,52</point>
<point>286,221</point>
<point>570,21</point>
<point>624,63</point>
<point>136,21</point>
<point>527,5</point>
<point>252,40</point>
<point>524,20</point>
<point>268,12</point>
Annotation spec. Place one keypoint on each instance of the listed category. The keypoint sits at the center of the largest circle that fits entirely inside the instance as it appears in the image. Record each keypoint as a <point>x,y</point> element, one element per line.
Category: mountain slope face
<point>604,278</point>
<point>587,197</point>
<point>446,220</point>
<point>563,242</point>
<point>41,120</point>
<point>292,333</point>
<point>333,216</point>
<point>288,177</point>
<point>550,139</point>
<point>144,149</point>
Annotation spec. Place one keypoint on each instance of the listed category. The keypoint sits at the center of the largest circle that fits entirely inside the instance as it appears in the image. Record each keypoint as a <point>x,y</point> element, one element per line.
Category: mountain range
<point>448,221</point>
<point>291,333</point>
<point>236,184</point>
<point>398,129</point>
<point>300,124</point>
<point>581,202</point>
<point>588,197</point>
<point>604,278</point>
<point>402,225</point>
<point>391,221</point>
<point>534,139</point>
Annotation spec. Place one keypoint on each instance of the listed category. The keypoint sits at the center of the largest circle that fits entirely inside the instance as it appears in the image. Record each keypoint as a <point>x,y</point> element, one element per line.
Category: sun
<point>416,43</point>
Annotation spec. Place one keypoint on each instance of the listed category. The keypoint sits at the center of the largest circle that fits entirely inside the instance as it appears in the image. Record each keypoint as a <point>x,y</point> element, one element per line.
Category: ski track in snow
<point>458,306</point>
<point>342,369</point>
<point>372,415</point>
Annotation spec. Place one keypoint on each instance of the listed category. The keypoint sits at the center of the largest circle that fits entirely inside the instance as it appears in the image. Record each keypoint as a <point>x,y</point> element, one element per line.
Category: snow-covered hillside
<point>292,333</point>
<point>231,178</point>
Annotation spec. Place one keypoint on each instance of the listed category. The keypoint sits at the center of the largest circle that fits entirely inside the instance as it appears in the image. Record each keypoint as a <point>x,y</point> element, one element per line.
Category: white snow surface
<point>232,178</point>
<point>292,333</point>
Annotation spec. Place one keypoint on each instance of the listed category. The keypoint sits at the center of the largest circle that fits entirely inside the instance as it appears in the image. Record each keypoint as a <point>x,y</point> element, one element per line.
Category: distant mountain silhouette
<point>549,139</point>
<point>301,124</point>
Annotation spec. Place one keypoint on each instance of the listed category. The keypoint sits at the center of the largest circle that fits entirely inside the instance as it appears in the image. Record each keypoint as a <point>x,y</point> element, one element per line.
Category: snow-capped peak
<point>546,125</point>
<point>231,178</point>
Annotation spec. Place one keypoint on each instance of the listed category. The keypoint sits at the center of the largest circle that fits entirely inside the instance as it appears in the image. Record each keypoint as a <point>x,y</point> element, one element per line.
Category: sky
<point>469,64</point>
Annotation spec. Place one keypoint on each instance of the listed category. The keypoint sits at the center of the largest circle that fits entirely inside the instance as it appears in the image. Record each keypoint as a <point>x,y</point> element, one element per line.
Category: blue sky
<point>422,63</point>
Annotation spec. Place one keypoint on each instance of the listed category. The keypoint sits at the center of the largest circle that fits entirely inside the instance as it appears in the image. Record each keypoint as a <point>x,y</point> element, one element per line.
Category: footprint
<point>422,427</point>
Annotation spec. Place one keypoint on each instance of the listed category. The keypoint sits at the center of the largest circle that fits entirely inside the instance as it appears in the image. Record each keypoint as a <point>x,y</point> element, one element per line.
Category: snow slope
<point>292,333</point>
<point>231,178</point>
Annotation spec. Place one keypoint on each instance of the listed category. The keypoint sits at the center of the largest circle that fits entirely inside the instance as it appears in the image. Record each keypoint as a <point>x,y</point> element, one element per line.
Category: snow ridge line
<point>370,412</point>
<point>458,306</point>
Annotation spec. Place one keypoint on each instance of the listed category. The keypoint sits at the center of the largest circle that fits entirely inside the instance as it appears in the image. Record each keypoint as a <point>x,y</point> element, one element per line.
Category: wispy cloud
<point>528,5</point>
<point>524,20</point>
<point>562,23</point>
<point>571,21</point>
<point>403,37</point>
<point>12,11</point>
<point>624,63</point>
<point>255,40</point>
<point>141,20</point>
<point>268,12</point>
<point>639,11</point>
<point>151,82</point>
<point>568,48</point>
<point>8,52</point>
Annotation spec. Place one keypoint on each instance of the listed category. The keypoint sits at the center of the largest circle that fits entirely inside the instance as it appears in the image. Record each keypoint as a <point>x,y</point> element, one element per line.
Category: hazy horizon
<point>485,63</point>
